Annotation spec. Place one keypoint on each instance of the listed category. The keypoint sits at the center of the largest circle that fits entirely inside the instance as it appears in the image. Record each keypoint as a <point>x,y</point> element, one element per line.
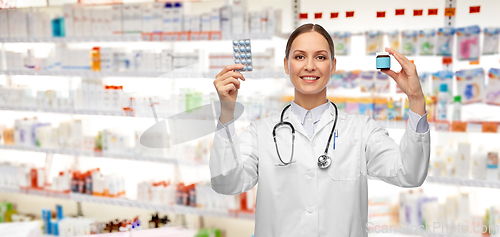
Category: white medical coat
<point>303,200</point>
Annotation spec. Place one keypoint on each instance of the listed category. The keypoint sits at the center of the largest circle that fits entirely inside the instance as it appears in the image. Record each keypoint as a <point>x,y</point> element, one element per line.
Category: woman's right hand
<point>227,85</point>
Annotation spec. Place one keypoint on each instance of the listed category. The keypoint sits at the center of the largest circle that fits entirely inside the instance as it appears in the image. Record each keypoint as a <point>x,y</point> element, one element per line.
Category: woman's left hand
<point>407,80</point>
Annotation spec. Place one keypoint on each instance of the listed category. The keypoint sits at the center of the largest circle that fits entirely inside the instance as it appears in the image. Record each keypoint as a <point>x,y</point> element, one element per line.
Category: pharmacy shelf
<point>179,209</point>
<point>137,157</point>
<point>67,111</point>
<point>463,182</point>
<point>457,182</point>
<point>137,37</point>
<point>166,231</point>
<point>157,207</point>
<point>112,38</point>
<point>9,190</point>
<point>436,233</point>
<point>92,74</point>
<point>160,75</point>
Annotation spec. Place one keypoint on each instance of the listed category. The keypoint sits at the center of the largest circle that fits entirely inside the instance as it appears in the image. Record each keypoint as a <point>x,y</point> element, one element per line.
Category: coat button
<point>310,209</point>
<point>310,174</point>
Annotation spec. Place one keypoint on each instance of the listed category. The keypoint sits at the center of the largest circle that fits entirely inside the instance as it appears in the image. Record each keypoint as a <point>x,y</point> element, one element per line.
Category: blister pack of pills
<point>243,54</point>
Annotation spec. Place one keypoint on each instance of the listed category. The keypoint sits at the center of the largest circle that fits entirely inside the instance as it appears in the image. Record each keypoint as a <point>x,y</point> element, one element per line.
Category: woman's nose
<point>309,65</point>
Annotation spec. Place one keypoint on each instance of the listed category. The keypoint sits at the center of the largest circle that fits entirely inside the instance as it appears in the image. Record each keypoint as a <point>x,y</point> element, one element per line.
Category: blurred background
<point>79,81</point>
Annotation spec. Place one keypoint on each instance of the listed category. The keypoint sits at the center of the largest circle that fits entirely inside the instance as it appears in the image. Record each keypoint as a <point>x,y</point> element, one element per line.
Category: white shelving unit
<point>457,182</point>
<point>217,213</point>
<point>463,182</point>
<point>73,73</point>
<point>473,127</point>
<point>130,203</point>
<point>129,38</point>
<point>113,38</point>
<point>138,157</point>
<point>131,74</point>
<point>68,111</point>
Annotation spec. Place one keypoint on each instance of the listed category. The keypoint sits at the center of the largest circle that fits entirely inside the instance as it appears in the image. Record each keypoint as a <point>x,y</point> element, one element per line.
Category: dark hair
<point>309,28</point>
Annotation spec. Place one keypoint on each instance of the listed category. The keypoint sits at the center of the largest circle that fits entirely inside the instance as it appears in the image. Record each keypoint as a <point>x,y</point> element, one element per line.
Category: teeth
<point>309,78</point>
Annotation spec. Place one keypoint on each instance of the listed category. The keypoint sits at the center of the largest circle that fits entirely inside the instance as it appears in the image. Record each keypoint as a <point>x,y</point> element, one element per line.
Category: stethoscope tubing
<point>284,123</point>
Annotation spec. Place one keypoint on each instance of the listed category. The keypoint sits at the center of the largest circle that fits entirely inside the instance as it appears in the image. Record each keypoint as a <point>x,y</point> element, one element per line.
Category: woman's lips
<point>309,79</point>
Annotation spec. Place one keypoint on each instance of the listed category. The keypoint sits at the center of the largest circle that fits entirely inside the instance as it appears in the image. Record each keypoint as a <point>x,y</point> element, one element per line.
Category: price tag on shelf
<point>146,36</point>
<point>204,35</point>
<point>449,11</point>
<point>184,36</point>
<point>447,60</point>
<point>51,194</point>
<point>174,36</point>
<point>490,127</point>
<point>474,62</point>
<point>24,190</point>
<point>457,126</point>
<point>442,126</point>
<point>194,36</point>
<point>156,37</point>
<point>215,35</point>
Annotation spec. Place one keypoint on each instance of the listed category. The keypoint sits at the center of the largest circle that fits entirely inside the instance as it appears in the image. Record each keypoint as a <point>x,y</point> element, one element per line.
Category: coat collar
<point>316,112</point>
<point>326,119</point>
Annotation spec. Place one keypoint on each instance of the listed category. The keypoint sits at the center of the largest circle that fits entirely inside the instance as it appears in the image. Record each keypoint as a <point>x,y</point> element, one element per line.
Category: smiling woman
<point>304,188</point>
<point>309,61</point>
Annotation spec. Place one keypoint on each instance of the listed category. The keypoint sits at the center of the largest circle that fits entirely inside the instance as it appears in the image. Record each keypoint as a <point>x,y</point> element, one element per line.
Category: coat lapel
<point>328,117</point>
<point>290,117</point>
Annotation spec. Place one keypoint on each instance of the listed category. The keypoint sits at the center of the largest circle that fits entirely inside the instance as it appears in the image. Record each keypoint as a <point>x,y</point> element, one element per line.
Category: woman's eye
<point>299,57</point>
<point>321,57</point>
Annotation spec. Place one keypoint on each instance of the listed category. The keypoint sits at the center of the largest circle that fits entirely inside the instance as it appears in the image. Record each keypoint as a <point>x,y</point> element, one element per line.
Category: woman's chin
<point>309,91</point>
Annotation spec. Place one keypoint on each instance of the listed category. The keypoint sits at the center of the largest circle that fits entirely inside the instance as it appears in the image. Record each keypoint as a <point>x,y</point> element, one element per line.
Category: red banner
<point>303,16</point>
<point>475,9</point>
<point>432,12</point>
<point>418,12</point>
<point>349,14</point>
<point>334,15</point>
<point>400,12</point>
<point>380,14</point>
<point>318,15</point>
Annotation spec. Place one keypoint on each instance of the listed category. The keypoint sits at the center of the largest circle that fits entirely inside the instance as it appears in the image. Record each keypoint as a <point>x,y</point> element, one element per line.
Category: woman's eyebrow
<point>302,51</point>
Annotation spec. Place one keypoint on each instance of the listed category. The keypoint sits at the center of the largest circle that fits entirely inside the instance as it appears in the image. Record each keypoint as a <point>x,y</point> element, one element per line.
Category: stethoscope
<point>324,161</point>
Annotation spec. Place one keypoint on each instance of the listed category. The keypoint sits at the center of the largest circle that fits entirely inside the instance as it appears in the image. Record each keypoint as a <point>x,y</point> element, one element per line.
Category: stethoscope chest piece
<point>324,161</point>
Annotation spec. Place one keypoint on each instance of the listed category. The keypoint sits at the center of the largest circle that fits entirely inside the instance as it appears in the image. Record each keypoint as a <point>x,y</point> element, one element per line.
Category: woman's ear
<point>285,64</point>
<point>334,66</point>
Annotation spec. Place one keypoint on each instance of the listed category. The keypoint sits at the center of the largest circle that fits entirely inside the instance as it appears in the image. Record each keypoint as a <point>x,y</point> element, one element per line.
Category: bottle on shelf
<point>478,164</point>
<point>492,165</point>
<point>457,108</point>
<point>450,157</point>
<point>96,59</point>
<point>442,104</point>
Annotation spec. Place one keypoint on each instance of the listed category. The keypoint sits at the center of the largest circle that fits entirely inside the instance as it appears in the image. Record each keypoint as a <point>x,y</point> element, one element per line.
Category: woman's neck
<point>310,101</point>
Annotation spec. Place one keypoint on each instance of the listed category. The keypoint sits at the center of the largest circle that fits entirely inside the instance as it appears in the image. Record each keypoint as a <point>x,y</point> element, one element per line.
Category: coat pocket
<point>345,162</point>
